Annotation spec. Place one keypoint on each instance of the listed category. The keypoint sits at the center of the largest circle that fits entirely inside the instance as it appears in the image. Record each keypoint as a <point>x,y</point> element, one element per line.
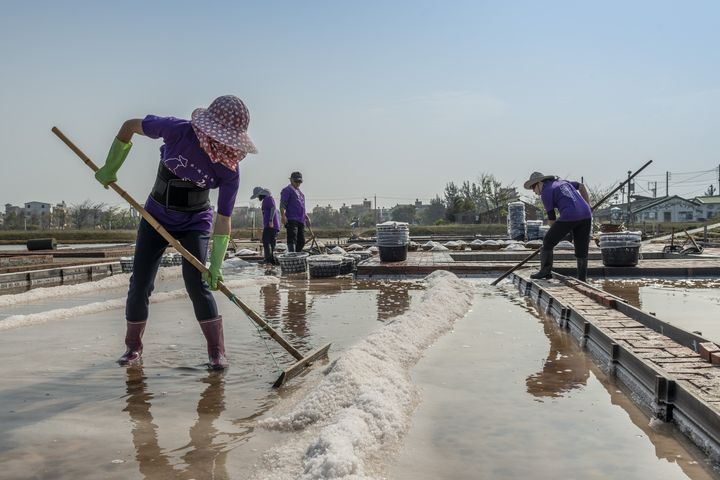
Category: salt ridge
<point>17,321</point>
<point>115,281</point>
<point>362,406</point>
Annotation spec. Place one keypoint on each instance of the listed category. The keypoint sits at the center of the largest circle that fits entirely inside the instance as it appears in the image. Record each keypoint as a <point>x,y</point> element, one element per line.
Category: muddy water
<point>67,411</point>
<point>508,395</point>
<point>693,305</point>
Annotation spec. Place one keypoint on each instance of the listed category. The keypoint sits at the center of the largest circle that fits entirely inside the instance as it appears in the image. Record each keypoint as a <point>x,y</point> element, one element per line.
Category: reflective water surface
<point>506,395</point>
<point>67,411</point>
<point>691,304</point>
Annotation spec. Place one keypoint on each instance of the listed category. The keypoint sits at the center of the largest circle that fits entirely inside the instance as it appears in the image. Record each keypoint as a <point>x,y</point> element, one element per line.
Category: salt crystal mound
<point>244,252</point>
<point>17,321</point>
<point>362,407</point>
<point>116,281</point>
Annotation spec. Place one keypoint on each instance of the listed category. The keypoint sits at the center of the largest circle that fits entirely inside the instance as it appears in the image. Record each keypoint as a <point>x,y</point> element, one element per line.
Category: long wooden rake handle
<point>186,255</point>
<point>600,202</point>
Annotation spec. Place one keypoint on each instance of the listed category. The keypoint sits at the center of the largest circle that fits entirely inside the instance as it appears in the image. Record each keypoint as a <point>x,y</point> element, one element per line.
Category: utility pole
<point>377,213</point>
<point>653,189</point>
<point>629,220</point>
<point>718,178</point>
<point>667,184</point>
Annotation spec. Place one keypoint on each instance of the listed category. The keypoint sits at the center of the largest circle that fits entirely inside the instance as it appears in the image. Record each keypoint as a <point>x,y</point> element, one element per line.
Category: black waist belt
<point>177,194</point>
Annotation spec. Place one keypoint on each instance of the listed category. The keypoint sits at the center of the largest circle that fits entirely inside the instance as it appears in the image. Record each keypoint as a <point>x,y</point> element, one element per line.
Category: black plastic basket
<point>620,256</point>
<point>293,262</point>
<point>348,265</point>
<point>393,254</point>
<point>324,266</point>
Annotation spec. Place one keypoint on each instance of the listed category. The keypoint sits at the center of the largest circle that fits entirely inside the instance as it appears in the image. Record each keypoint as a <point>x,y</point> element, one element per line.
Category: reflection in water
<point>203,459</point>
<point>664,436</point>
<point>393,299</point>
<point>296,313</point>
<point>270,295</point>
<point>566,366</point>
<point>627,290</point>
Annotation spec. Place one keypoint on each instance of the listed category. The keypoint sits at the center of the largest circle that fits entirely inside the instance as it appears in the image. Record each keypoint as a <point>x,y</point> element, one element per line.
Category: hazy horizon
<point>388,99</point>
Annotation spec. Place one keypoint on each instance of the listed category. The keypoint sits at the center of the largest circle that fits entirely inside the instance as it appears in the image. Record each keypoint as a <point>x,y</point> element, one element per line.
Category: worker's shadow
<point>203,457</point>
<point>566,367</point>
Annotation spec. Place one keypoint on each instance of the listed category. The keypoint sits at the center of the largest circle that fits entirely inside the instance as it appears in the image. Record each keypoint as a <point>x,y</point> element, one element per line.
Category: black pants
<point>268,240</point>
<point>149,248</point>
<point>581,235</point>
<point>295,236</point>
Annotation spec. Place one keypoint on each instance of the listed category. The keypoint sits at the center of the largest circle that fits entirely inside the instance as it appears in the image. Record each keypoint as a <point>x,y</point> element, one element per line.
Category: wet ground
<point>509,395</point>
<point>69,412</point>
<point>692,305</point>
<point>505,395</point>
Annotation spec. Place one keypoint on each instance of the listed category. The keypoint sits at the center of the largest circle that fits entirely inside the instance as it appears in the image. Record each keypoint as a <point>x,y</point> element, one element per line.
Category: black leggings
<point>149,248</point>
<point>269,239</point>
<point>581,235</point>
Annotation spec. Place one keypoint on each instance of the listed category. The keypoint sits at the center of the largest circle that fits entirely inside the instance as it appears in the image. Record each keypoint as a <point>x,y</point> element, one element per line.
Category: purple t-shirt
<point>182,154</point>
<point>270,212</point>
<point>293,201</point>
<point>564,196</point>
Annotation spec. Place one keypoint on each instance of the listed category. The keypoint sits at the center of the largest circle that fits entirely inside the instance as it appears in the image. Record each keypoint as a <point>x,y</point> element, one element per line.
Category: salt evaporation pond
<point>691,304</point>
<point>443,378</point>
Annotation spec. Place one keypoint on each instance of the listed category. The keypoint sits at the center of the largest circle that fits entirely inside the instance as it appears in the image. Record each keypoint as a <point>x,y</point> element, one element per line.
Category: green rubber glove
<point>217,255</point>
<point>116,156</point>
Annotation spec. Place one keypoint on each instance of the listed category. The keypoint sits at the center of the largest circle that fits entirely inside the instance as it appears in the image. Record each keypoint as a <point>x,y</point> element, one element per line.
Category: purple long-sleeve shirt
<point>270,213</point>
<point>293,201</point>
<point>565,197</point>
<point>182,154</point>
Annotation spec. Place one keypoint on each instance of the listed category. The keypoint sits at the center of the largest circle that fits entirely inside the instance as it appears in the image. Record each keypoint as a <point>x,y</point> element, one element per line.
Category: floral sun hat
<point>226,121</point>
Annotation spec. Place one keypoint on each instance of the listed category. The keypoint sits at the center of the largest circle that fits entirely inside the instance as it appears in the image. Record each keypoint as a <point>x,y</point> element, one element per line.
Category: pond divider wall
<point>666,397</point>
<point>20,281</point>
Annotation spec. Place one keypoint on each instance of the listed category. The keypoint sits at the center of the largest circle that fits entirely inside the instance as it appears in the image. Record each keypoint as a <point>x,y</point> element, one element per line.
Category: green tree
<point>404,213</point>
<point>453,201</point>
<point>434,212</point>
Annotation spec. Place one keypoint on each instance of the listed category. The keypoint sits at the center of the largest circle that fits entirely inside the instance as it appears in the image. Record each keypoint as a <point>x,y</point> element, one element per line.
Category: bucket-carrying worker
<point>271,222</point>
<point>197,155</point>
<point>292,211</point>
<point>573,203</point>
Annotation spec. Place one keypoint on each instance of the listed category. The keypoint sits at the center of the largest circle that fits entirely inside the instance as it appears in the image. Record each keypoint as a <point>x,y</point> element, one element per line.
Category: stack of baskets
<point>360,255</point>
<point>392,241</point>
<point>324,266</point>
<point>533,229</point>
<point>171,260</point>
<point>348,265</point>
<point>293,262</point>
<point>126,263</point>
<point>620,249</point>
<point>516,220</point>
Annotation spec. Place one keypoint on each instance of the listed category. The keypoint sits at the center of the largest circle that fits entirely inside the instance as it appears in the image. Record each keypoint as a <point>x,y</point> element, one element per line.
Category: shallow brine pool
<point>440,378</point>
<point>691,304</point>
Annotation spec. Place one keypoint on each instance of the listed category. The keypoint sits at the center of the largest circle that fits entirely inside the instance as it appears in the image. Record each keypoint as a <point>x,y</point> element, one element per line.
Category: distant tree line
<point>80,216</point>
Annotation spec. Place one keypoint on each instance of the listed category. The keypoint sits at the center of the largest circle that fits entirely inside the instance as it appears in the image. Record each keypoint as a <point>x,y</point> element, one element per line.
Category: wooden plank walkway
<point>673,373</point>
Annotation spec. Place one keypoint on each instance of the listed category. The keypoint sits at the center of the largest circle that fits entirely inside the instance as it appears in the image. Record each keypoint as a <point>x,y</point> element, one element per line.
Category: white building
<point>38,213</point>
<point>667,209</point>
<point>710,206</point>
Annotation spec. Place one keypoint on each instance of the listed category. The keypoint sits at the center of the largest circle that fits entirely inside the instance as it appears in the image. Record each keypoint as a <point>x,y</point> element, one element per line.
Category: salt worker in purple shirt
<point>571,200</point>
<point>196,156</point>
<point>292,212</point>
<point>271,222</point>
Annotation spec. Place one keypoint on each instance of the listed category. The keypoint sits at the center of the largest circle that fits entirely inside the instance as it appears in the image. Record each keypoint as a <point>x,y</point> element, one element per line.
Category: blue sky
<point>392,99</point>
